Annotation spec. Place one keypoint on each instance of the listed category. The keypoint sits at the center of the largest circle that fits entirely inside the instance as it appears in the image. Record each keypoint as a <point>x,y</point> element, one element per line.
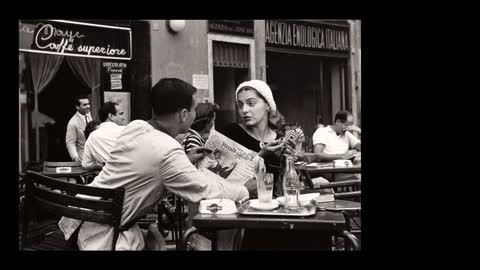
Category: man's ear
<point>183,114</point>
<point>77,107</point>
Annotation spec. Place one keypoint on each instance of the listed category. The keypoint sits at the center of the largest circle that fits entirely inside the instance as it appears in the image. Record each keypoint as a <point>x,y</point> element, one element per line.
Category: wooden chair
<point>42,193</point>
<point>345,190</point>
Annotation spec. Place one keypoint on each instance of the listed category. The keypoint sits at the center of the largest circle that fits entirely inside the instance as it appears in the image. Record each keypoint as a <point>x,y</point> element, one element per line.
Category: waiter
<point>75,137</point>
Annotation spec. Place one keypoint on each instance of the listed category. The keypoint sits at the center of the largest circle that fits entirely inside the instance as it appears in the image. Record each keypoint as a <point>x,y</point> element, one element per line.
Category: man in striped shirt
<point>200,129</point>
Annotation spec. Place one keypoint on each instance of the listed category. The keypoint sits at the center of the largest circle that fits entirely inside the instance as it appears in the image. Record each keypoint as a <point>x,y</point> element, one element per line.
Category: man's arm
<point>353,141</point>
<point>88,161</point>
<point>70,140</point>
<point>182,178</point>
<point>318,150</point>
<point>356,129</point>
<point>358,147</point>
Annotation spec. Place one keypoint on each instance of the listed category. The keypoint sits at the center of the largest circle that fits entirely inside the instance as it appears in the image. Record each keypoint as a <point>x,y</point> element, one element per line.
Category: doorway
<point>57,101</point>
<point>298,88</point>
<point>231,65</point>
<point>226,81</point>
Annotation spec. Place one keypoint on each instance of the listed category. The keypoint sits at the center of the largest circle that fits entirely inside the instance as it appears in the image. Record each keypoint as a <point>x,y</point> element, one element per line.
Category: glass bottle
<point>291,185</point>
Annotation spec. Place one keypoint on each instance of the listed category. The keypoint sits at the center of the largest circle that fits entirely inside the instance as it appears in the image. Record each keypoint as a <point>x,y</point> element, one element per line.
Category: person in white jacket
<point>101,141</point>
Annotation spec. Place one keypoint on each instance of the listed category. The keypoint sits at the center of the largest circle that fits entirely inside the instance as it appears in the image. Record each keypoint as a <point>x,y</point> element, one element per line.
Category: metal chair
<point>348,190</point>
<point>353,220</point>
<point>171,217</point>
<point>42,193</point>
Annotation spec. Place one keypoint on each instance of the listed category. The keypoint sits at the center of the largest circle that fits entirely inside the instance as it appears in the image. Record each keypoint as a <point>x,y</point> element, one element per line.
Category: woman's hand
<point>272,148</point>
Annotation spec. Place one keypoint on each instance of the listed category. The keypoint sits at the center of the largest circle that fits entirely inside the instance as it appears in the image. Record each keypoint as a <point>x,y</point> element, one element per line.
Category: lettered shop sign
<point>75,39</point>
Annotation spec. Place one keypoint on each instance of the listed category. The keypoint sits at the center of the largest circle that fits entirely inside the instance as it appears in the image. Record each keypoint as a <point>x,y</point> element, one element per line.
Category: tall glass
<point>265,188</point>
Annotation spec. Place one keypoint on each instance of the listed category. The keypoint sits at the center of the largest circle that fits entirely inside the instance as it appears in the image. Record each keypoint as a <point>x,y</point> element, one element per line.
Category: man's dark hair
<point>342,116</point>
<point>78,97</point>
<point>107,107</point>
<point>205,114</point>
<point>91,127</point>
<point>170,95</point>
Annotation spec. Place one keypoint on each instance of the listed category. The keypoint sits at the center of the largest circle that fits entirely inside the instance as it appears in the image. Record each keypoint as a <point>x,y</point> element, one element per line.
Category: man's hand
<point>353,128</point>
<point>77,159</point>
<point>251,186</point>
<point>197,153</point>
<point>349,154</point>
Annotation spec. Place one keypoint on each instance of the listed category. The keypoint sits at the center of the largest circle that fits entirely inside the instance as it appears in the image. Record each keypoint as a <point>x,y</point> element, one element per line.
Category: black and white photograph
<point>114,119</point>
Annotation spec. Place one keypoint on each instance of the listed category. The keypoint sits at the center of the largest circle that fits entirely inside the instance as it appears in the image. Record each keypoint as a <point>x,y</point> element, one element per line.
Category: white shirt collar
<point>334,132</point>
<point>83,116</point>
<point>108,123</point>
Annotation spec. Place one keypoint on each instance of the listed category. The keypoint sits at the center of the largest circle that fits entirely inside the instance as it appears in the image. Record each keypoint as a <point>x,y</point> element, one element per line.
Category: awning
<point>230,55</point>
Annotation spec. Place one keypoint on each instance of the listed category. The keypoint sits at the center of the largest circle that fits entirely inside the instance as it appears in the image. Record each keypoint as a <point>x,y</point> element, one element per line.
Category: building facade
<point>312,66</point>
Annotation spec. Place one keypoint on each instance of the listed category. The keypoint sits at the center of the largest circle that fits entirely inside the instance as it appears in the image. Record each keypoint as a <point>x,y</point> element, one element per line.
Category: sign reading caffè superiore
<point>305,35</point>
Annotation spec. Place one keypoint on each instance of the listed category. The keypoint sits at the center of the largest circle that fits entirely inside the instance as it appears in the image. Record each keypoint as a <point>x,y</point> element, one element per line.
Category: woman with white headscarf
<point>259,132</point>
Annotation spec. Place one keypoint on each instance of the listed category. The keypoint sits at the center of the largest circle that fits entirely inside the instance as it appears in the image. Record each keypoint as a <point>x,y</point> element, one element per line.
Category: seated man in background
<point>101,141</point>
<point>336,142</point>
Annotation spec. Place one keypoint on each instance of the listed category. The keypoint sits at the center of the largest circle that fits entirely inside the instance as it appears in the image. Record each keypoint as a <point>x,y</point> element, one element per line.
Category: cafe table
<point>77,173</point>
<point>328,218</point>
<point>311,170</point>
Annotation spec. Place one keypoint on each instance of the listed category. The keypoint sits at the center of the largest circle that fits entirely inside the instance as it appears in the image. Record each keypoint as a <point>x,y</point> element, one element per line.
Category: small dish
<point>263,206</point>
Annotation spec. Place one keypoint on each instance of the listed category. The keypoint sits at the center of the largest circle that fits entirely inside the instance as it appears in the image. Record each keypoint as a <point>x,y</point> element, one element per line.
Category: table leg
<point>214,241</point>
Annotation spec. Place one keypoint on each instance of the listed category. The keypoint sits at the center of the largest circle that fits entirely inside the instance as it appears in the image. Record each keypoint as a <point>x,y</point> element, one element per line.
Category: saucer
<point>263,206</point>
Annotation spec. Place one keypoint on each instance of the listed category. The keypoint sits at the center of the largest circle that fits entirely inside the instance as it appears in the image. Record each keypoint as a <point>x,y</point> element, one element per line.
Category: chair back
<point>52,165</point>
<point>58,197</point>
<point>345,190</point>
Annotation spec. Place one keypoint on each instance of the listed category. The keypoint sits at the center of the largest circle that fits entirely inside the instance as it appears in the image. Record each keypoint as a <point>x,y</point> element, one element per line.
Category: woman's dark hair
<point>170,95</point>
<point>91,127</point>
<point>205,114</point>
<point>276,121</point>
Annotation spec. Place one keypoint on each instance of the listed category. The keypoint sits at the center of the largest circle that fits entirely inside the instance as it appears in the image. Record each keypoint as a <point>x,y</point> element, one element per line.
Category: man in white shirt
<point>75,136</point>
<point>336,141</point>
<point>101,141</point>
<point>147,161</point>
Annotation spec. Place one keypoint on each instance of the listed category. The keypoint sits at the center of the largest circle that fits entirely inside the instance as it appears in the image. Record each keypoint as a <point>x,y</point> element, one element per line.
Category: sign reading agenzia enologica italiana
<point>306,35</point>
<point>73,38</point>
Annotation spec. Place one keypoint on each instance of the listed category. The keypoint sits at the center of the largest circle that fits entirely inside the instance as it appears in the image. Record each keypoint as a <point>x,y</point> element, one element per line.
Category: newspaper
<point>229,160</point>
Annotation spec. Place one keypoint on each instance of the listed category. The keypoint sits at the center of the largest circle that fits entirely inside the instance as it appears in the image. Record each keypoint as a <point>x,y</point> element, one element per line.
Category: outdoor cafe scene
<point>189,135</point>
